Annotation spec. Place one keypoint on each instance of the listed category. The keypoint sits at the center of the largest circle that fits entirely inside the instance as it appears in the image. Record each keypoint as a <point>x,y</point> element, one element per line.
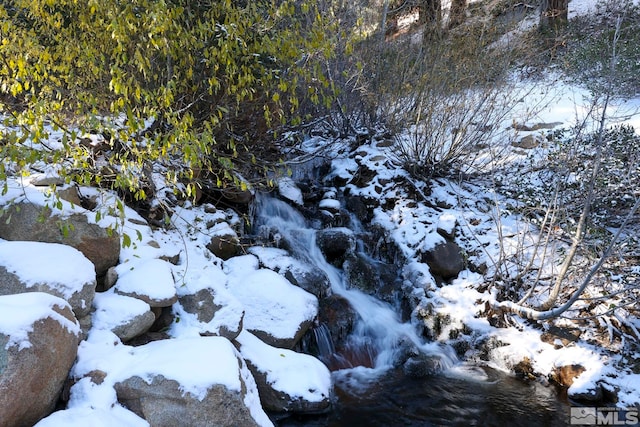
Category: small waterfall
<point>380,336</point>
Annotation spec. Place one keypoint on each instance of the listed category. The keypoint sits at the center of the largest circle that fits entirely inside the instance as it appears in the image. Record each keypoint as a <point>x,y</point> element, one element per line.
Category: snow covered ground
<point>411,226</point>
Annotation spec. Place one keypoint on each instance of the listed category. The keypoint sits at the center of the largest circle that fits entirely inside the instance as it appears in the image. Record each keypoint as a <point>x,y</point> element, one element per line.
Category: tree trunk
<point>554,15</point>
<point>430,14</point>
<point>457,14</point>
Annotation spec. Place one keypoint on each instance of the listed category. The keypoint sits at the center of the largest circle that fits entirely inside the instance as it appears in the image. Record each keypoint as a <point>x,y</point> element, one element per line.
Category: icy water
<point>444,399</point>
<point>378,394</point>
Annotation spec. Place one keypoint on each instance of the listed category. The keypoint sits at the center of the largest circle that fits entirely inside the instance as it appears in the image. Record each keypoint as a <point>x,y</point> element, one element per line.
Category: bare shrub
<point>446,100</point>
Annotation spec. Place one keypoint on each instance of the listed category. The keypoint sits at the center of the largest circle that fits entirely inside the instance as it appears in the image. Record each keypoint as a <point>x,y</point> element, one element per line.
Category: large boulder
<point>48,267</point>
<point>276,311</point>
<point>38,344</point>
<point>24,220</point>
<point>287,381</point>
<point>216,390</point>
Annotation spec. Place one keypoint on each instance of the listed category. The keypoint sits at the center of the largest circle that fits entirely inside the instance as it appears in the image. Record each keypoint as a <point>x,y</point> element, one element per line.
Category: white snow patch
<point>152,278</point>
<point>110,416</point>
<point>331,204</point>
<point>272,304</point>
<point>290,191</point>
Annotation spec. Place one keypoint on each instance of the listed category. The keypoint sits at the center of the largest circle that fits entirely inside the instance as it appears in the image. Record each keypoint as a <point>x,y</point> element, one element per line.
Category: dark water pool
<point>477,398</point>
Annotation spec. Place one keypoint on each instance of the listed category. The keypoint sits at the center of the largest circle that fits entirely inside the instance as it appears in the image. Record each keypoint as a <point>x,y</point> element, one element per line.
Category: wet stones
<point>338,316</point>
<point>336,244</point>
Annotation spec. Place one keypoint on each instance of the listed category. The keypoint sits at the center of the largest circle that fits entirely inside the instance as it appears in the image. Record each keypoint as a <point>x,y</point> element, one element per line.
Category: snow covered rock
<point>305,276</point>
<point>276,311</point>
<point>186,382</point>
<point>224,243</point>
<point>287,381</point>
<point>447,226</point>
<point>289,191</point>
<point>94,417</point>
<point>38,343</point>
<point>33,222</point>
<point>150,281</point>
<point>213,309</point>
<point>53,268</point>
<point>126,317</point>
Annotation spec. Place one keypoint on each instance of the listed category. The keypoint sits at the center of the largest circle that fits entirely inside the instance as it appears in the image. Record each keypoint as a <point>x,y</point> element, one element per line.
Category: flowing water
<point>372,390</point>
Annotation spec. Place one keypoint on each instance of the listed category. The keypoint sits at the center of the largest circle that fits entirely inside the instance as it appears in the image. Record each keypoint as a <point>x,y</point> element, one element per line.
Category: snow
<point>283,369</point>
<point>21,311</point>
<point>290,191</point>
<point>272,304</point>
<point>187,361</point>
<point>447,223</point>
<point>39,263</point>
<point>152,278</point>
<point>247,286</point>
<point>163,358</point>
<point>111,416</point>
<point>113,310</point>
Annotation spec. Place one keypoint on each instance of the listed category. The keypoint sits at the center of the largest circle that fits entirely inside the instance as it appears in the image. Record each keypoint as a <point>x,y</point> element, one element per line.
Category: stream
<point>371,388</point>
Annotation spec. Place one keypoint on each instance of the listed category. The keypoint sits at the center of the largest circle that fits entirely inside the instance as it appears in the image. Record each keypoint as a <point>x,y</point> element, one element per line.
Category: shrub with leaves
<point>197,86</point>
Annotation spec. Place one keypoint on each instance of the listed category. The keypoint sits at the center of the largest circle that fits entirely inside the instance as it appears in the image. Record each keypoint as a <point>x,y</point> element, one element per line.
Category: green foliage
<point>198,86</point>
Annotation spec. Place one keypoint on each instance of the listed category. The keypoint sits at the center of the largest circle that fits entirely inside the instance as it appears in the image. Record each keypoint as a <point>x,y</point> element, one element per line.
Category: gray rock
<point>361,273</point>
<point>217,318</point>
<point>309,393</point>
<point>422,365</point>
<point>226,245</point>
<point>27,221</point>
<point>35,356</point>
<point>336,244</point>
<point>222,395</point>
<point>309,278</point>
<point>136,326</point>
<point>529,141</point>
<point>163,404</point>
<point>445,260</point>
<point>76,284</point>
